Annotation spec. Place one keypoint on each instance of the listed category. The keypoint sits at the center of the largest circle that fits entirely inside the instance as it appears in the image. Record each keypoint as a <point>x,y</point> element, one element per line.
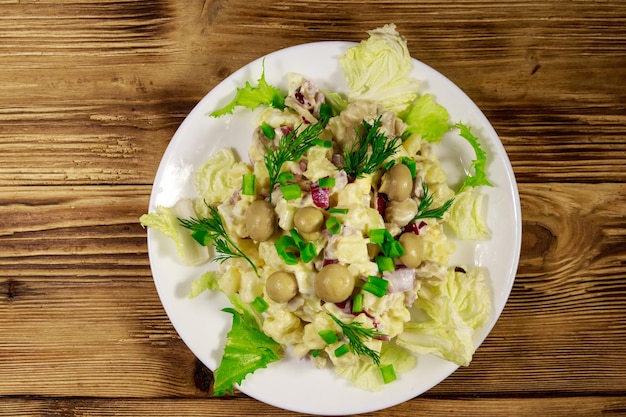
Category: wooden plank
<point>427,406</point>
<point>63,119</point>
<point>80,250</point>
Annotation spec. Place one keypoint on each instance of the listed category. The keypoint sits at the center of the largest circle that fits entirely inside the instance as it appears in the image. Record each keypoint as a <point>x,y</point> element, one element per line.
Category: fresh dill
<point>356,333</point>
<point>370,149</point>
<point>210,230</point>
<point>425,212</point>
<point>290,148</point>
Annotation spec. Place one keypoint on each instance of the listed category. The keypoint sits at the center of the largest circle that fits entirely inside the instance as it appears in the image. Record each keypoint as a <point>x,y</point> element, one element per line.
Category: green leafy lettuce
<point>252,97</point>
<point>454,309</point>
<point>477,173</point>
<point>379,69</point>
<point>466,217</point>
<point>207,281</point>
<point>427,118</point>
<point>367,376</point>
<point>336,101</point>
<point>165,220</point>
<point>247,348</point>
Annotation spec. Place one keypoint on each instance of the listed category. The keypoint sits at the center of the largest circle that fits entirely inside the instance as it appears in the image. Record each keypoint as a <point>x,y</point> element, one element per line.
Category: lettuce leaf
<point>252,97</point>
<point>208,281</point>
<point>336,101</point>
<point>478,165</point>
<point>454,309</point>
<point>367,376</point>
<point>165,220</point>
<point>427,118</point>
<point>379,69</point>
<point>247,348</point>
<point>466,217</point>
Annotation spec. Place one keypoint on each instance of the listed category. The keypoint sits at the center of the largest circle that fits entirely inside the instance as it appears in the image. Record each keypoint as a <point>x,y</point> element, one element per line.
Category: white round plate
<point>291,383</point>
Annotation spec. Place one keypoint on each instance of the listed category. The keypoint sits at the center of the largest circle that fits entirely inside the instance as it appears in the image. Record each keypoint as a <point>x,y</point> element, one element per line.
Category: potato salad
<point>331,236</point>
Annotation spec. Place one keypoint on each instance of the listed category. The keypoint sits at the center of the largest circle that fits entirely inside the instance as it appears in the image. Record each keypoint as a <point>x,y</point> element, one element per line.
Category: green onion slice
<point>259,304</point>
<point>379,236</point>
<point>338,210</point>
<point>388,373</point>
<point>247,186</point>
<point>411,165</point>
<point>268,130</point>
<point>341,350</point>
<point>291,191</point>
<point>385,263</point>
<point>333,225</point>
<point>393,249</point>
<point>326,182</point>
<point>375,285</point>
<point>328,336</point>
<point>308,252</point>
<point>285,247</point>
<point>323,143</point>
<point>285,177</point>
<point>357,303</point>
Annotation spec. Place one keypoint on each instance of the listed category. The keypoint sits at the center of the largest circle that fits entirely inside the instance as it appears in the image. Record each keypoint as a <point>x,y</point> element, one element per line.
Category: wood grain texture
<point>91,93</point>
<point>426,406</point>
<point>569,291</point>
<point>98,90</point>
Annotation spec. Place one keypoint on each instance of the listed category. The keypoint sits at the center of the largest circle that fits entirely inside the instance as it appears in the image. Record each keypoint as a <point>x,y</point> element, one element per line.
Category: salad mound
<point>331,240</point>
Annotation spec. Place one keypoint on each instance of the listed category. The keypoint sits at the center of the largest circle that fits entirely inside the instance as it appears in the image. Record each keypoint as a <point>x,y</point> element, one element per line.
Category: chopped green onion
<point>393,249</point>
<point>357,303</point>
<point>333,225</point>
<point>268,130</point>
<point>323,143</point>
<point>388,373</point>
<point>328,336</point>
<point>341,350</point>
<point>379,235</point>
<point>326,112</point>
<point>385,263</point>
<point>315,353</point>
<point>259,304</point>
<point>390,247</point>
<point>338,210</point>
<point>284,247</point>
<point>307,249</point>
<point>308,252</point>
<point>376,286</point>
<point>285,177</point>
<point>283,243</point>
<point>411,165</point>
<point>327,182</point>
<point>289,258</point>
<point>291,191</point>
<point>297,239</point>
<point>247,185</point>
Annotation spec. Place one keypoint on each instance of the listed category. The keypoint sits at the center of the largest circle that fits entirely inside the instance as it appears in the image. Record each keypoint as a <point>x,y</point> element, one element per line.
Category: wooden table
<point>91,92</point>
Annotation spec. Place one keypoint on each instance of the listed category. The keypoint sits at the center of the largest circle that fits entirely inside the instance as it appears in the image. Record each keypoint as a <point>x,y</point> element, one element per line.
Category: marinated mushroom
<point>401,212</point>
<point>397,183</point>
<point>413,249</point>
<point>260,220</point>
<point>281,286</point>
<point>334,283</point>
<point>308,219</point>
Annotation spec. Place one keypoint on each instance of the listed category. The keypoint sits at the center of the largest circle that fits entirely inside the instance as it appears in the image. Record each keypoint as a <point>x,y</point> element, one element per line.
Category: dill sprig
<point>425,212</point>
<point>356,333</point>
<point>210,230</point>
<point>370,149</point>
<point>290,148</point>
